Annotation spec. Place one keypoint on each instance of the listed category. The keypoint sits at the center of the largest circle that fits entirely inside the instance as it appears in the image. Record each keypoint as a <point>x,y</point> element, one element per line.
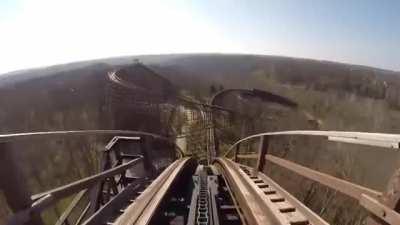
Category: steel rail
<point>365,138</point>
<point>66,190</point>
<point>141,211</point>
<point>377,143</point>
<point>77,133</point>
<point>72,133</point>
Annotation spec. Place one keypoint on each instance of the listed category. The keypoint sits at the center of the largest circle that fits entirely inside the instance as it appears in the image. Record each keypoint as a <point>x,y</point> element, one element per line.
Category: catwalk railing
<point>367,198</point>
<point>93,193</point>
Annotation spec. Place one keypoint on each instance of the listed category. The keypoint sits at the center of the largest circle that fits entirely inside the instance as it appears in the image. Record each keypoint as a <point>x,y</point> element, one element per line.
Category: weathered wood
<point>282,195</point>
<point>262,150</point>
<point>145,146</point>
<point>115,139</point>
<point>247,156</point>
<point>67,212</point>
<point>276,208</point>
<point>95,193</point>
<point>353,190</point>
<point>150,198</point>
<point>236,152</point>
<point>85,183</point>
<point>390,198</point>
<point>378,209</point>
<point>83,214</point>
<point>252,210</point>
<point>101,215</point>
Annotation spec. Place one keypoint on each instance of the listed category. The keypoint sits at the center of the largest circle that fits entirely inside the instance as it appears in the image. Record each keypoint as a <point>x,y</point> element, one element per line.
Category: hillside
<point>205,69</point>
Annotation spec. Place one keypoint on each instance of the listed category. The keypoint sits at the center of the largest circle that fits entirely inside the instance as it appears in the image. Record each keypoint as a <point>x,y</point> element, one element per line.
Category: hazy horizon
<point>44,32</point>
<point>188,54</point>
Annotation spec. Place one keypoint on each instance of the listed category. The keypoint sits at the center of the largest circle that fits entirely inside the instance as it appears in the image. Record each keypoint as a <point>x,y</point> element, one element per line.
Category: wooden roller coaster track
<point>116,197</point>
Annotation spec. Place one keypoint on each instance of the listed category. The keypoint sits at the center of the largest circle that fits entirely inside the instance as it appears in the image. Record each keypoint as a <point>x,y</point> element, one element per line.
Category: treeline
<point>199,72</point>
<point>361,81</point>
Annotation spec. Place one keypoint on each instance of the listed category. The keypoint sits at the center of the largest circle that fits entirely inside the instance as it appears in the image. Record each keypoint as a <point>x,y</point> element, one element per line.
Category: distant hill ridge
<point>231,70</point>
<point>172,58</point>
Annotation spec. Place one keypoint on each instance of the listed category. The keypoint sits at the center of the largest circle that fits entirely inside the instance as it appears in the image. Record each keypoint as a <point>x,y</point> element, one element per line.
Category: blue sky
<point>361,32</point>
<point>44,32</point>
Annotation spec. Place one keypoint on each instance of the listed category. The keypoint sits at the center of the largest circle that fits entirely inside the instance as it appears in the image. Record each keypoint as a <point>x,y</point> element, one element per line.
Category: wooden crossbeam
<point>353,190</point>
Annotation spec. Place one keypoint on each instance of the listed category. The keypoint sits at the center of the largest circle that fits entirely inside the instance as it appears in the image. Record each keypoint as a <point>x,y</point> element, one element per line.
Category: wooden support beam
<point>353,190</point>
<point>314,218</point>
<point>95,192</point>
<point>71,188</point>
<point>236,152</point>
<point>247,156</point>
<point>141,211</point>
<point>252,208</point>
<point>147,143</point>
<point>101,215</point>
<point>67,212</point>
<point>262,150</point>
<point>378,209</point>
